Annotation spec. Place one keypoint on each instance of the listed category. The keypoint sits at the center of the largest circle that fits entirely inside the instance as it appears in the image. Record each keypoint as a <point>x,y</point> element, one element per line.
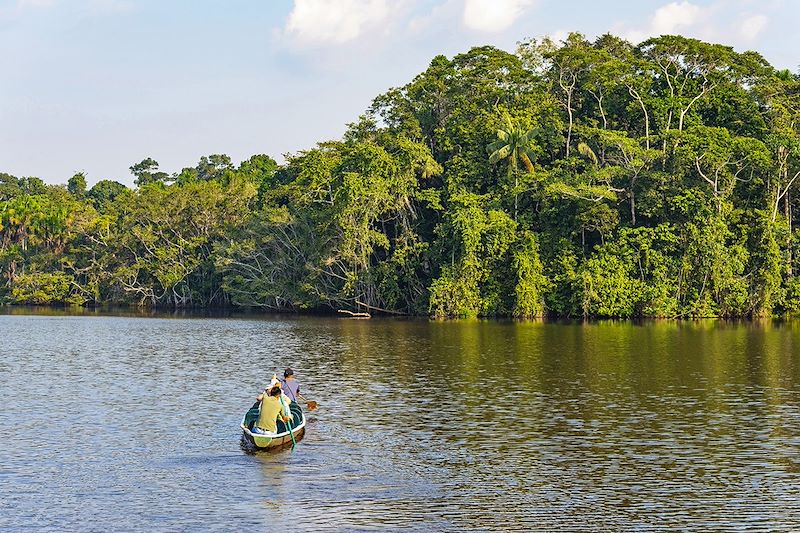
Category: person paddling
<point>290,386</point>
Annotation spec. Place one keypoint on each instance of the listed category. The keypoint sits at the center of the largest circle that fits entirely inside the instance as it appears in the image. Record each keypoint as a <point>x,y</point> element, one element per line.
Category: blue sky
<point>97,85</point>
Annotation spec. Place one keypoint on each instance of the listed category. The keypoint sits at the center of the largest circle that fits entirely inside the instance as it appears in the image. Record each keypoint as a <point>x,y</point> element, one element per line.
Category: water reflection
<point>489,426</point>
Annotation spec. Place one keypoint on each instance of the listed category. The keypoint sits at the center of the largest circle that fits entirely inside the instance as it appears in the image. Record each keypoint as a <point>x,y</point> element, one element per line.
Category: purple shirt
<point>291,388</point>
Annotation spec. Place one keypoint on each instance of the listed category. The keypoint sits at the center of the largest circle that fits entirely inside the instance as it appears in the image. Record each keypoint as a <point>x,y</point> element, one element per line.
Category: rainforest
<point>584,178</point>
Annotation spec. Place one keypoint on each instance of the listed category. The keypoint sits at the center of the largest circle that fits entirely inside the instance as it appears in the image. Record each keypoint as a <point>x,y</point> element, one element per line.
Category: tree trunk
<point>569,128</point>
<point>787,210</point>
<point>634,93</point>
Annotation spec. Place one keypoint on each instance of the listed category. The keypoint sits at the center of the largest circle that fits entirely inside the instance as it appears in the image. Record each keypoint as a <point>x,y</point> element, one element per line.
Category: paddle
<point>311,404</point>
<point>289,423</point>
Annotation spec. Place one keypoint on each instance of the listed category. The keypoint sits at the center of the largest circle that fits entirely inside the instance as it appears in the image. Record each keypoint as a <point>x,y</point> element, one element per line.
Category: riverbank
<point>234,312</point>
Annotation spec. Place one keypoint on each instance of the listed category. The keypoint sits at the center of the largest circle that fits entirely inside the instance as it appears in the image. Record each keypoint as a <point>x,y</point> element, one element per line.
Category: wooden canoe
<point>265,441</point>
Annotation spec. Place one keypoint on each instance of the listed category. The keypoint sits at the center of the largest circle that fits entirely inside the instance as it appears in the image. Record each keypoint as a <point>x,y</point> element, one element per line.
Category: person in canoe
<point>290,385</point>
<point>275,382</point>
<point>291,389</point>
<point>271,410</point>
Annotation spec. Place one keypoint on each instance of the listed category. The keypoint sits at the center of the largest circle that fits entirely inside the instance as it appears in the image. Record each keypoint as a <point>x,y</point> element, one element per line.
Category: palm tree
<point>514,144</point>
<point>23,216</point>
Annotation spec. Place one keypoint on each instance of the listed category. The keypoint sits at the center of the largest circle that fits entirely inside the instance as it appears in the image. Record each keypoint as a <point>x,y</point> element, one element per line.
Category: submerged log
<point>354,315</point>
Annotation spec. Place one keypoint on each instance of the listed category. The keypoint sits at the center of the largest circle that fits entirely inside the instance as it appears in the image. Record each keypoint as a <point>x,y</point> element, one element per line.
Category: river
<point>132,423</point>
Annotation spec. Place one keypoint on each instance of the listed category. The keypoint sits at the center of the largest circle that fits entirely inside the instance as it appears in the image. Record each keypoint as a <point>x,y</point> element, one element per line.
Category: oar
<point>289,423</point>
<point>311,404</point>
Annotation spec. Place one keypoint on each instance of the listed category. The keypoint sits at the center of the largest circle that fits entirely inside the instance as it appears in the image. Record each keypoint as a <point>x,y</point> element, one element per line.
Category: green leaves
<point>43,288</point>
<point>514,143</point>
<point>340,228</point>
<point>147,173</point>
<point>580,178</point>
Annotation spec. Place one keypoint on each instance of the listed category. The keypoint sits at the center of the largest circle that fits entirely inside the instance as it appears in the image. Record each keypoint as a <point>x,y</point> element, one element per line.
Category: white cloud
<point>717,21</point>
<point>675,16</point>
<point>752,26</point>
<point>334,21</point>
<point>493,15</point>
<point>683,17</point>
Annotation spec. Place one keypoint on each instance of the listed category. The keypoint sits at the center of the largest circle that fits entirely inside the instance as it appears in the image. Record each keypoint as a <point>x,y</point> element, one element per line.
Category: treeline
<point>574,179</point>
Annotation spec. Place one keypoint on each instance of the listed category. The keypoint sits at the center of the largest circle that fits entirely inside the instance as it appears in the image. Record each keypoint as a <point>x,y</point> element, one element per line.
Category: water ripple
<point>132,423</point>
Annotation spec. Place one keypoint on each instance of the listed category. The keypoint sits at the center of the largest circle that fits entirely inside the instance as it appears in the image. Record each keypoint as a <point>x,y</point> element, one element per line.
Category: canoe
<point>282,437</point>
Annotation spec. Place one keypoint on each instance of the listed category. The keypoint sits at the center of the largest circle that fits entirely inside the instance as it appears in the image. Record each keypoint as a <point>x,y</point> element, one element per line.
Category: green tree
<point>407,213</point>
<point>32,185</point>
<point>514,144</point>
<point>42,288</point>
<point>77,185</point>
<point>103,193</point>
<point>146,172</point>
<point>9,187</point>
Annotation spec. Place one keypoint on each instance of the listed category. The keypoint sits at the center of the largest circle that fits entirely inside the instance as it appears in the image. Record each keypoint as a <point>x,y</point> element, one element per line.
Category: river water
<point>131,424</point>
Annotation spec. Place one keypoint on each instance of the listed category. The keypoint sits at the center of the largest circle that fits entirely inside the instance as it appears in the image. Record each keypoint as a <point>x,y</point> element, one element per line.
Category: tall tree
<point>514,144</point>
<point>146,172</point>
<point>77,185</point>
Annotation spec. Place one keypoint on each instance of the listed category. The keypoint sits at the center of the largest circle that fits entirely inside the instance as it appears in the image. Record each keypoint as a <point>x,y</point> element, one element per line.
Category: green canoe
<point>273,440</point>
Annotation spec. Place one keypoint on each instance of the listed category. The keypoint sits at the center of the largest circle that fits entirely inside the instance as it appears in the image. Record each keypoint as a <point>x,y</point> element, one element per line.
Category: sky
<point>98,85</point>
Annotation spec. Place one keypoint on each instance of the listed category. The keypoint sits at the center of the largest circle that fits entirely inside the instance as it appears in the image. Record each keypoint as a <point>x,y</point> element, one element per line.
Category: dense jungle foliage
<point>574,179</point>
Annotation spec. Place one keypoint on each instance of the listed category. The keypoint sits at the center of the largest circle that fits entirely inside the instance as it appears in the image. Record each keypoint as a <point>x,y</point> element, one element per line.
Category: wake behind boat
<point>281,437</point>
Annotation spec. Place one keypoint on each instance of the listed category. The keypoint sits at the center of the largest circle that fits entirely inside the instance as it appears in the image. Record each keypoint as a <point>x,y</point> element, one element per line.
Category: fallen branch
<point>355,315</point>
